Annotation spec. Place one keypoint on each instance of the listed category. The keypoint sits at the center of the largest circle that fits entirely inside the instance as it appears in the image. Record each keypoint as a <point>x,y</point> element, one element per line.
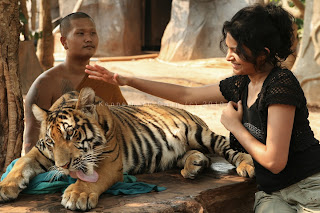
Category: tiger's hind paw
<point>194,164</point>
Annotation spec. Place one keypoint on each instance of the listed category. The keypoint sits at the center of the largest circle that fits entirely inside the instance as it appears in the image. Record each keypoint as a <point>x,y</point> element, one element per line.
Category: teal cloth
<point>46,183</point>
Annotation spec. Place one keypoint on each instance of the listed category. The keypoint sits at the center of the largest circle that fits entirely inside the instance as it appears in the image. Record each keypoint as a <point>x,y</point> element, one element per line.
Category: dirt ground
<point>188,73</point>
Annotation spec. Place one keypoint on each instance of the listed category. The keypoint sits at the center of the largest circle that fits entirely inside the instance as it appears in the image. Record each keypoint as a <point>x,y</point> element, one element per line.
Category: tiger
<point>96,143</point>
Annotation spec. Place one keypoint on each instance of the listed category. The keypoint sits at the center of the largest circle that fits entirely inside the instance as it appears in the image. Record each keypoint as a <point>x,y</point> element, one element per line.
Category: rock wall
<point>194,30</point>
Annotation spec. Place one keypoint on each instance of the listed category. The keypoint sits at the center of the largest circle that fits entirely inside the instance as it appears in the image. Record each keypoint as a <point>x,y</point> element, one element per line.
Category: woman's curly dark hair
<point>258,27</point>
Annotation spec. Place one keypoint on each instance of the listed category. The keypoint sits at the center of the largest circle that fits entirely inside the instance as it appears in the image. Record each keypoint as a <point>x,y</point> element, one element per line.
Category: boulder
<point>307,65</point>
<point>194,30</point>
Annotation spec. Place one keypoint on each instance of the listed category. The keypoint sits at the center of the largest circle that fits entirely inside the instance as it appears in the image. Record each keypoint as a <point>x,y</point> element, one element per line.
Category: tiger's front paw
<point>9,190</point>
<point>76,197</point>
<point>246,167</point>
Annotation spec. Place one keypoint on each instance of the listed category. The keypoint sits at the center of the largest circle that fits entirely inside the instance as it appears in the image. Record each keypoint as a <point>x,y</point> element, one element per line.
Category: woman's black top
<point>280,87</point>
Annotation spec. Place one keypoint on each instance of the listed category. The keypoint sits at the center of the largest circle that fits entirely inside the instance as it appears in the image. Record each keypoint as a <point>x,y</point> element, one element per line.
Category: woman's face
<point>240,67</point>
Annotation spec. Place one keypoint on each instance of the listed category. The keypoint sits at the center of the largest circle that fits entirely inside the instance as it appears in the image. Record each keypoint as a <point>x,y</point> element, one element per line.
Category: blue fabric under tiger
<point>47,183</point>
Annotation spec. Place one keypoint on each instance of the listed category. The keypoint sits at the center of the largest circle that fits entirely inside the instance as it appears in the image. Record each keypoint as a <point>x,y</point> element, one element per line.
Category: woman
<point>266,112</point>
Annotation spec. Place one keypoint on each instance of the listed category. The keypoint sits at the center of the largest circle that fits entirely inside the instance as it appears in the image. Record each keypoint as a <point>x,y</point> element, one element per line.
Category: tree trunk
<point>45,44</point>
<point>33,15</point>
<point>307,65</point>
<point>11,102</point>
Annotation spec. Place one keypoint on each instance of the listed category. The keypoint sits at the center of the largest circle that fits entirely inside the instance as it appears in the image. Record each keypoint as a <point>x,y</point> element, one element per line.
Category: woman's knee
<point>271,203</point>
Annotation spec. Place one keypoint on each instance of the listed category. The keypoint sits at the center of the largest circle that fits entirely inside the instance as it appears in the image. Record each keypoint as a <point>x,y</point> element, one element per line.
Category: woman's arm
<point>176,93</point>
<point>274,155</point>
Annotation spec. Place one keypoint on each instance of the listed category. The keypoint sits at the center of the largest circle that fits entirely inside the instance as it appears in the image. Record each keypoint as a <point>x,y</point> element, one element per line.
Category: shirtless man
<point>80,40</point>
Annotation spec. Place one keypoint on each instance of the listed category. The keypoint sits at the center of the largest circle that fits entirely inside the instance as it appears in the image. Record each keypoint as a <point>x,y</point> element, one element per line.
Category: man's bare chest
<point>65,86</point>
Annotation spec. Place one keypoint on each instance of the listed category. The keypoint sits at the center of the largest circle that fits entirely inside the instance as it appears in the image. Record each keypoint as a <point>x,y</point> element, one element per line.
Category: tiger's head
<point>71,133</point>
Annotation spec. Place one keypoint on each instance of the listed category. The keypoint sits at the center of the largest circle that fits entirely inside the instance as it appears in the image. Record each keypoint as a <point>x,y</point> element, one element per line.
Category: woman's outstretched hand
<point>97,72</point>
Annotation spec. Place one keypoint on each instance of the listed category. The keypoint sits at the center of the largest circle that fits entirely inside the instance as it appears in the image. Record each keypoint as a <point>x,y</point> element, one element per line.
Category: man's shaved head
<point>65,24</point>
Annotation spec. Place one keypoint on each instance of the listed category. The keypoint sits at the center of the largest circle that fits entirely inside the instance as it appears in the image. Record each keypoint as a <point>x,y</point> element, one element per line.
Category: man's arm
<point>41,95</point>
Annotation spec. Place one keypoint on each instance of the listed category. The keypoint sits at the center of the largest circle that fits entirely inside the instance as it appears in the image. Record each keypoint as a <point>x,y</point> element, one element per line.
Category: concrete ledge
<point>218,190</point>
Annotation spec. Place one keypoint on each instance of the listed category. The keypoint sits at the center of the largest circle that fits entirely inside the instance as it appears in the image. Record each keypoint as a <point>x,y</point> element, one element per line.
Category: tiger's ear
<point>86,100</point>
<point>40,114</point>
